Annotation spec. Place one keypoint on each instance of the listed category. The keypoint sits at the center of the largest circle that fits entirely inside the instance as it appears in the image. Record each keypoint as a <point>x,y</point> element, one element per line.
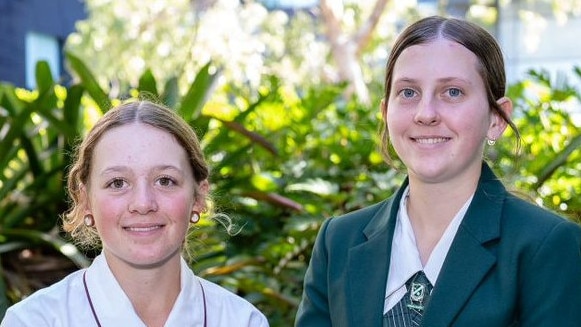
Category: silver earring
<point>89,220</point>
<point>491,142</point>
<point>195,217</point>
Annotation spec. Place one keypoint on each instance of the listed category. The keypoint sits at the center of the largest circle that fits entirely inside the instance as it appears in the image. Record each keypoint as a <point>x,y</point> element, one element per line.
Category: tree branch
<point>363,35</point>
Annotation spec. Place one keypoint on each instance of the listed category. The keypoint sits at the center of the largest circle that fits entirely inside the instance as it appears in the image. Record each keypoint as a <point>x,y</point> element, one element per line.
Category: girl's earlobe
<point>498,123</point>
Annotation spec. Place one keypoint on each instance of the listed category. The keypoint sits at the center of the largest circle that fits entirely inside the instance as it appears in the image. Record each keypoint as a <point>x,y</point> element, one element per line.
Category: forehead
<point>138,144</point>
<point>440,58</point>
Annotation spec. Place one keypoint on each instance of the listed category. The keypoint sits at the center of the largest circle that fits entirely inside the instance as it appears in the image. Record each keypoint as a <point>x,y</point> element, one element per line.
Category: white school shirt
<point>65,303</point>
<point>405,258</point>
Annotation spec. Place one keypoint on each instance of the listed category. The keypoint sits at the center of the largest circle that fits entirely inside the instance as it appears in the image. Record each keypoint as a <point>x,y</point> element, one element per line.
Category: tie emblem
<point>418,292</point>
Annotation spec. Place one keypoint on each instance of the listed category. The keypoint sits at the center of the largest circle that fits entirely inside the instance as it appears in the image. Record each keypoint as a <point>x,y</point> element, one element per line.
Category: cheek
<point>476,122</point>
<point>396,122</point>
<point>107,209</point>
<point>179,207</point>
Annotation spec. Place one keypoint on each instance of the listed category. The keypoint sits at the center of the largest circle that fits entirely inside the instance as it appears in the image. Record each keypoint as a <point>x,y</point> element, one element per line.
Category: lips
<point>142,229</point>
<point>430,140</point>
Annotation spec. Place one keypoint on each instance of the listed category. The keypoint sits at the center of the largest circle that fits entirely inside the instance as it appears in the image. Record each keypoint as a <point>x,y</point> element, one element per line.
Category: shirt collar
<point>113,307</point>
<point>405,258</point>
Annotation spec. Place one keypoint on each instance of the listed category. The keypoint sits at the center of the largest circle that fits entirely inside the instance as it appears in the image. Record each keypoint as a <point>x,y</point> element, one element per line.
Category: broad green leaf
<point>44,80</point>
<point>10,100</point>
<point>45,105</point>
<point>34,164</point>
<point>14,131</point>
<point>191,104</point>
<point>171,93</point>
<point>72,108</point>
<point>148,85</point>
<point>89,82</point>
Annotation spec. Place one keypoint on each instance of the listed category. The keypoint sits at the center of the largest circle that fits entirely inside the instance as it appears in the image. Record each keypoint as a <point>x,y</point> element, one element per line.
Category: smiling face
<point>141,192</point>
<point>437,112</point>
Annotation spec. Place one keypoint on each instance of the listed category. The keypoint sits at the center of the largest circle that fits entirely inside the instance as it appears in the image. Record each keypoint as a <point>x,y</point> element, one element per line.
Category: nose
<point>427,113</point>
<point>143,199</point>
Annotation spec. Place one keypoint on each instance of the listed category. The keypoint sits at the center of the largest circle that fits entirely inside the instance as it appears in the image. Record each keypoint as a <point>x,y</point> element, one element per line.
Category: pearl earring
<point>491,142</point>
<point>89,220</point>
<point>195,217</point>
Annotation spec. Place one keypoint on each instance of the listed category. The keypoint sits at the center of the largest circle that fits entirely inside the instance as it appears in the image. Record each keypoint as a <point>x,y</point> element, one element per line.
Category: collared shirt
<point>66,303</point>
<point>405,258</point>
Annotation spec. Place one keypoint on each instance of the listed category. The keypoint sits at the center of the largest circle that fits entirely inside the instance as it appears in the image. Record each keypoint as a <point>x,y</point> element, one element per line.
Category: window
<point>41,47</point>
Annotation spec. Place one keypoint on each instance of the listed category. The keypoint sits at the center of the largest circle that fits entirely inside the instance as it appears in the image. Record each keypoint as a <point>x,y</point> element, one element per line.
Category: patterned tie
<point>410,309</point>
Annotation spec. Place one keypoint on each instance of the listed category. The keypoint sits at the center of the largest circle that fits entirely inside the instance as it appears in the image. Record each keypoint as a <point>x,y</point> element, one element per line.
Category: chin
<point>427,168</point>
<point>150,259</point>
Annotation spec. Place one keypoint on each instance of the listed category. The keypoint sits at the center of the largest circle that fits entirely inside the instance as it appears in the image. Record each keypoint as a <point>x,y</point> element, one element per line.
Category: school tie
<point>409,310</point>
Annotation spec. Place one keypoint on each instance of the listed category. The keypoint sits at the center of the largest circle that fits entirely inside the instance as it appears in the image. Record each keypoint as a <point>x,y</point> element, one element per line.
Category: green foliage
<point>33,153</point>
<point>320,161</point>
<point>38,129</point>
<point>283,160</point>
<point>549,167</point>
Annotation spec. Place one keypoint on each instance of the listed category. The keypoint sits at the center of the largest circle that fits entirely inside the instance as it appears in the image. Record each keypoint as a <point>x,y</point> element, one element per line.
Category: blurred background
<point>285,98</point>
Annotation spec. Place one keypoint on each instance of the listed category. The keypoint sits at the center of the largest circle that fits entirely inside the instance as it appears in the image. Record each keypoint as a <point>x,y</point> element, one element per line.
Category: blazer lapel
<point>368,264</point>
<point>468,260</point>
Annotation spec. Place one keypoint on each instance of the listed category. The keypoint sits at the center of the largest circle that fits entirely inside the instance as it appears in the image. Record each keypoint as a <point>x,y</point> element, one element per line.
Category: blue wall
<point>18,17</point>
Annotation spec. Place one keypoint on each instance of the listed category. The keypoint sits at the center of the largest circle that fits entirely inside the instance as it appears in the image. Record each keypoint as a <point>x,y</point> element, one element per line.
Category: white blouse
<point>405,258</point>
<point>66,303</point>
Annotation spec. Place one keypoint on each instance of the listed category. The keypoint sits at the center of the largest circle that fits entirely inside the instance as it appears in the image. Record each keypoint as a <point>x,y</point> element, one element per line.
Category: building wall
<point>51,18</point>
<point>533,38</point>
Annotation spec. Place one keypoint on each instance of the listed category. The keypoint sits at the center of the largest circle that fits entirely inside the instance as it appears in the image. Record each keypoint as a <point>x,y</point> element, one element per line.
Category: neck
<point>436,205</point>
<point>151,290</point>
<point>432,206</point>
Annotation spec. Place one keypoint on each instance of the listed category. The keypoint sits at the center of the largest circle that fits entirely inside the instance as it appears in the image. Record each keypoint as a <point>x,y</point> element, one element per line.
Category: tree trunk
<point>345,49</point>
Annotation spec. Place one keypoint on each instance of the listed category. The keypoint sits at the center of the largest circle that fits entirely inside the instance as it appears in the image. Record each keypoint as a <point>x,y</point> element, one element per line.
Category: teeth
<point>142,229</point>
<point>433,140</point>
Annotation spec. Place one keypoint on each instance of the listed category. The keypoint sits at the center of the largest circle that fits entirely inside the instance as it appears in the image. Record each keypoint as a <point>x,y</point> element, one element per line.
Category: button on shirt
<point>405,257</point>
<point>66,304</point>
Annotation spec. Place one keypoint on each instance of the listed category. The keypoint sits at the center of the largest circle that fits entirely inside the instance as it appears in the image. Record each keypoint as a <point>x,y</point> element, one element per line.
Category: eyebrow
<point>113,169</point>
<point>124,169</point>
<point>440,80</point>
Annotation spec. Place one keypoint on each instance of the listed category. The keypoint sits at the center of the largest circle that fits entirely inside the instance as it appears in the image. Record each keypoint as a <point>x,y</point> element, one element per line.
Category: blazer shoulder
<point>535,219</point>
<point>524,209</point>
<point>356,226</point>
<point>359,217</point>
<point>517,216</point>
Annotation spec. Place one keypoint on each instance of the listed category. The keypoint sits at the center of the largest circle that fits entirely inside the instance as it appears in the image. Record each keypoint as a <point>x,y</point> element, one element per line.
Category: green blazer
<point>511,264</point>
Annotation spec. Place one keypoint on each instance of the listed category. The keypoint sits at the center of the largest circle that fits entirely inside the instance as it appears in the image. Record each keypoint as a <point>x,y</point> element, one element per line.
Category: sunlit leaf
<point>89,82</point>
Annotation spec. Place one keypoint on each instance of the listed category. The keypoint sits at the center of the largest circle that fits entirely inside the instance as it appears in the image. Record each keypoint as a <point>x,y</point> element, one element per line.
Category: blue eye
<point>454,92</point>
<point>408,93</point>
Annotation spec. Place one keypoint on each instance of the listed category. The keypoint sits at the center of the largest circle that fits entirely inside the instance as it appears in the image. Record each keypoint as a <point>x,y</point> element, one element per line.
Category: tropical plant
<point>548,169</point>
<point>283,160</point>
<point>34,152</point>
